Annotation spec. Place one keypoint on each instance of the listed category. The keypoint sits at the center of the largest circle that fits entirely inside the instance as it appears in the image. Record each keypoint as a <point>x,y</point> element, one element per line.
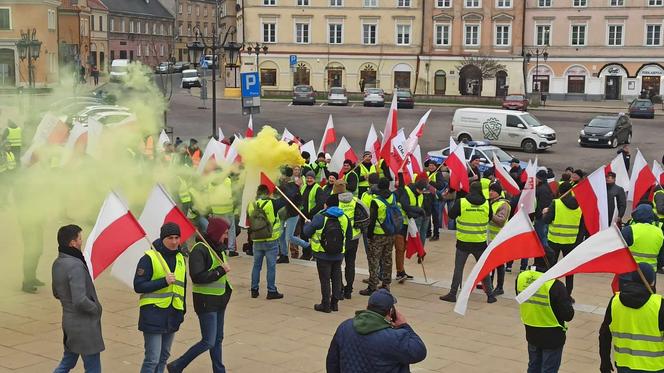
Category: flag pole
<point>424,271</point>
<point>638,269</point>
<point>292,204</point>
<point>161,258</point>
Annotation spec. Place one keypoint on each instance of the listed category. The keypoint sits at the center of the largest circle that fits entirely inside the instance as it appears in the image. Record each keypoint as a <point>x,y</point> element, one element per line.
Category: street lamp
<point>29,47</point>
<point>537,52</point>
<point>257,49</point>
<point>233,48</point>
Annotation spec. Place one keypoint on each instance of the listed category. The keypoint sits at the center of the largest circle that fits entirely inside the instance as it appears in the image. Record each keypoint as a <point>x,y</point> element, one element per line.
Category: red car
<point>515,102</point>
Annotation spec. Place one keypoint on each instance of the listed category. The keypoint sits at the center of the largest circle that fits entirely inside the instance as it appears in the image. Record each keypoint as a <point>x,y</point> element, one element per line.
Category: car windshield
<point>118,69</point>
<point>337,91</point>
<point>500,154</point>
<point>602,122</point>
<point>514,98</point>
<point>302,89</point>
<point>403,94</point>
<point>642,103</point>
<point>531,120</point>
<point>374,91</point>
<point>189,74</point>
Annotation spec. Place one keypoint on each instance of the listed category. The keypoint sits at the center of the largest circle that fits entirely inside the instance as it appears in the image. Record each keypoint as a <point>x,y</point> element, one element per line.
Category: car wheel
<point>614,142</point>
<point>464,138</point>
<point>629,138</point>
<point>529,146</point>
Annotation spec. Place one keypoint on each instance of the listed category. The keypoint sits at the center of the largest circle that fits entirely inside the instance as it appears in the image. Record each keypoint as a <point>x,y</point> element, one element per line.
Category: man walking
<point>13,136</point>
<point>208,269</point>
<point>81,311</point>
<point>161,280</point>
<point>377,340</point>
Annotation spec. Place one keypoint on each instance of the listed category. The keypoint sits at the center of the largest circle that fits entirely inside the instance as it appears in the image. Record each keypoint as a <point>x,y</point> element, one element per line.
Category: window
<point>205,11</point>
<point>147,50</point>
<point>112,24</point>
<point>616,2</point>
<point>154,29</point>
<point>369,33</point>
<point>146,28</point>
<point>503,35</point>
<point>335,33</point>
<point>5,19</point>
<point>302,2</point>
<point>504,3</point>
<point>269,77</point>
<point>654,2</point>
<point>180,8</point>
<point>161,50</point>
<point>122,25</point>
<point>653,35</point>
<point>472,3</point>
<point>442,35</point>
<point>302,33</point>
<point>403,34</point>
<point>578,35</point>
<point>403,3</point>
<point>579,3</point>
<point>92,23</point>
<point>472,35</point>
<point>189,9</point>
<point>51,19</point>
<point>269,32</point>
<point>576,84</point>
<point>180,29</point>
<point>161,29</point>
<point>443,3</point>
<point>336,2</point>
<point>544,3</point>
<point>370,3</point>
<point>270,2</point>
<point>138,51</point>
<point>101,23</point>
<point>615,35</point>
<point>543,34</point>
<point>170,30</point>
<point>198,11</point>
<point>513,121</point>
<point>131,27</point>
<point>205,30</point>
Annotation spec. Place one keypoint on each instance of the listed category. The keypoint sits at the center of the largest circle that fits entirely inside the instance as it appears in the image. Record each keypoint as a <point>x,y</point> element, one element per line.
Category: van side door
<point>515,130</point>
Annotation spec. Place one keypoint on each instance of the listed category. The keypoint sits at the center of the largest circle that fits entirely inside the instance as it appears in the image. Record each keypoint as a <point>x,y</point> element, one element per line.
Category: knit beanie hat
<point>216,229</point>
<point>169,229</point>
<point>383,184</point>
<point>310,173</point>
<point>339,186</point>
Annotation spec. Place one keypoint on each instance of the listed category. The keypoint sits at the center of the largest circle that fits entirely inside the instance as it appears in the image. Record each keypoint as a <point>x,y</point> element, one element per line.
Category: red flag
<point>456,162</point>
<point>517,240</point>
<point>329,136</point>
<point>506,181</point>
<point>250,127</point>
<point>390,129</point>
<point>641,181</point>
<point>553,185</point>
<point>414,241</point>
<point>445,217</point>
<point>604,252</point>
<point>265,180</point>
<point>591,195</point>
<point>115,230</point>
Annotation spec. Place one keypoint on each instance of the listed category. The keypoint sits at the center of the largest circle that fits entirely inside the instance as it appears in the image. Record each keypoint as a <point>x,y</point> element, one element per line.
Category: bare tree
<point>488,66</point>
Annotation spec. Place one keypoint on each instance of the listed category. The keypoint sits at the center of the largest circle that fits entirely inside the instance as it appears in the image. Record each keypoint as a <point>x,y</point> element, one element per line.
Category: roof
<point>146,8</point>
<point>97,5</point>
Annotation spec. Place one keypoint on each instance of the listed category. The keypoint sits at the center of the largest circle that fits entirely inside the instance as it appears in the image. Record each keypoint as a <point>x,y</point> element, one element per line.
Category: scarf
<point>76,253</point>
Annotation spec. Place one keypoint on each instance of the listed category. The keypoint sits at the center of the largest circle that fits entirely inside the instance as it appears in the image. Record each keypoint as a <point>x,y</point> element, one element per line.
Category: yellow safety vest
<point>565,225</point>
<point>217,287</point>
<point>184,191</point>
<point>382,213</point>
<point>11,160</point>
<point>366,198</point>
<point>3,165</point>
<point>172,294</point>
<point>537,311</point>
<point>14,136</point>
<point>315,238</point>
<point>414,200</point>
<point>433,176</point>
<point>493,227</point>
<point>638,343</point>
<point>365,172</point>
<point>472,222</point>
<point>485,187</point>
<point>349,211</point>
<point>654,208</point>
<point>379,168</point>
<point>221,197</point>
<point>311,198</point>
<point>648,240</point>
<point>272,218</point>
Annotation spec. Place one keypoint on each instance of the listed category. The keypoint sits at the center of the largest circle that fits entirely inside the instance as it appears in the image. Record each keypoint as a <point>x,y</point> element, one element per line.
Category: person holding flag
<point>545,318</point>
<point>312,202</point>
<point>366,167</point>
<point>500,209</point>
<point>643,236</point>
<point>161,280</point>
<point>411,199</point>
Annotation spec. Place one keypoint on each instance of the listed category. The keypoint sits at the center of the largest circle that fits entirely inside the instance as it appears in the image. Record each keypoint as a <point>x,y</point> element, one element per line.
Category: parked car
<point>405,99</point>
<point>114,118</point>
<point>642,108</point>
<point>208,60</point>
<point>90,111</point>
<point>180,66</point>
<point>482,148</point>
<point>607,130</point>
<point>503,128</point>
<point>374,97</point>
<point>515,102</point>
<point>164,68</point>
<point>119,70</point>
<point>190,79</point>
<point>337,96</point>
<point>304,94</point>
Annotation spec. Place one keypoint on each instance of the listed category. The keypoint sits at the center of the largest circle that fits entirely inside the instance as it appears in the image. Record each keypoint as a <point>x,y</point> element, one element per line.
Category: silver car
<point>337,96</point>
<point>374,97</point>
<point>304,94</point>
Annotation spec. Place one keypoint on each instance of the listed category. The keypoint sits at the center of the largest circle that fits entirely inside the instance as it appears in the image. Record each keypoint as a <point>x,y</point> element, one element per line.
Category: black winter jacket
<point>200,273</point>
<point>455,211</point>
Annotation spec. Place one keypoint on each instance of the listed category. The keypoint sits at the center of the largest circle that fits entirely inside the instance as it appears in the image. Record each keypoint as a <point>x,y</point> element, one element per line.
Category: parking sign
<point>293,60</point>
<point>251,85</point>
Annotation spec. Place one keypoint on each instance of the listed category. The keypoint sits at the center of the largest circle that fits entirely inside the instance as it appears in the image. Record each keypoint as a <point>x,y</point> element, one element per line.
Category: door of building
<point>612,88</point>
<point>440,83</point>
<point>7,68</point>
<point>650,84</point>
<point>334,77</point>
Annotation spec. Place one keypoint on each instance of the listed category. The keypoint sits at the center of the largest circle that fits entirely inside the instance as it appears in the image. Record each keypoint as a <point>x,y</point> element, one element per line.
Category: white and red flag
<point>310,148</point>
<point>163,139</point>
<point>419,129</point>
<point>641,181</point>
<point>414,241</point>
<point>343,152</point>
<point>604,252</point>
<point>76,143</point>
<point>50,131</point>
<point>329,136</point>
<point>391,129</point>
<point>399,154</point>
<point>265,180</point>
<point>527,197</point>
<point>214,154</point>
<point>220,134</point>
<point>372,144</point>
<point>114,232</point>
<point>517,240</point>
<point>456,162</point>
<point>250,127</point>
<point>592,197</point>
<point>287,136</point>
<point>159,209</point>
<point>617,166</point>
<point>232,155</point>
<point>658,171</point>
<point>503,176</point>
<point>445,216</point>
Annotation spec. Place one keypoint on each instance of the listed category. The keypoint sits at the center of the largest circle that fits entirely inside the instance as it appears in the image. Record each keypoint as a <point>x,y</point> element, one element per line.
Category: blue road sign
<point>293,59</point>
<point>203,63</point>
<point>251,85</point>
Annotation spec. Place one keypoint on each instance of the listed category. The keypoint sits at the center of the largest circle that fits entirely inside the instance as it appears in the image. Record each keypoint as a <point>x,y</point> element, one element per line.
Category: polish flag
<point>95,130</point>
<point>445,216</point>
<point>456,162</point>
<point>343,152</point>
<point>265,180</point>
<point>419,129</point>
<point>310,148</point>
<point>391,130</point>
<point>114,232</point>
<point>50,131</point>
<point>604,252</point>
<point>527,197</point>
<point>592,197</point>
<point>641,181</point>
<point>220,134</point>
<point>163,139</point>
<point>517,240</point>
<point>329,136</point>
<point>524,174</point>
<point>506,181</point>
<point>159,209</point>
<point>232,155</point>
<point>617,165</point>
<point>250,127</point>
<point>76,143</point>
<point>215,153</point>
<point>288,137</point>
<point>398,155</point>
<point>658,171</point>
<point>372,144</point>
<point>414,241</point>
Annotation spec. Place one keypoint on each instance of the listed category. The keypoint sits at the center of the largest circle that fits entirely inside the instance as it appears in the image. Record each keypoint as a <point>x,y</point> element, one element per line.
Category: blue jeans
<point>542,230</point>
<point>157,352</point>
<point>212,333</point>
<point>288,236</point>
<point>91,363</point>
<point>267,250</point>
<point>423,226</point>
<point>544,361</point>
<point>451,224</point>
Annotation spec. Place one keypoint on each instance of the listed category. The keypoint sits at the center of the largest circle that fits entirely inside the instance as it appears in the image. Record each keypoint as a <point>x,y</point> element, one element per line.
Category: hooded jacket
<point>633,295</point>
<point>317,223</point>
<point>642,214</point>
<point>571,203</point>
<point>369,343</point>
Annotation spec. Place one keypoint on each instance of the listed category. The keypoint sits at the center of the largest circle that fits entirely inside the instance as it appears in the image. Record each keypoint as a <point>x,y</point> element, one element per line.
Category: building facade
<point>74,34</point>
<point>597,49</point>
<point>336,43</point>
<point>98,35</point>
<point>13,21</point>
<point>488,30</point>
<point>139,30</point>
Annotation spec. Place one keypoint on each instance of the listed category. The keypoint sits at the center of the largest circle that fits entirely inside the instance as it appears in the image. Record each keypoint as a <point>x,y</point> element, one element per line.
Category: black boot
<point>322,308</point>
<point>334,305</point>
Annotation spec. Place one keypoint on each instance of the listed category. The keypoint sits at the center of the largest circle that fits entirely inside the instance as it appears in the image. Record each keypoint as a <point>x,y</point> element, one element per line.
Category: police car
<point>482,148</point>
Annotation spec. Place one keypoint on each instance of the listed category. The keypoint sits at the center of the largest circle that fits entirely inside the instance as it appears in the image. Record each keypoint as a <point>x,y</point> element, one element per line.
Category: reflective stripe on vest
<point>493,227</point>
<point>472,222</point>
<point>654,207</point>
<point>311,198</point>
<point>648,240</point>
<point>272,218</point>
<point>382,213</point>
<point>14,136</point>
<point>638,343</point>
<point>172,294</point>
<point>11,160</point>
<point>217,287</point>
<point>349,211</point>
<point>316,237</point>
<point>537,311</point>
<point>221,197</point>
<point>414,200</point>
<point>565,225</point>
<point>364,171</point>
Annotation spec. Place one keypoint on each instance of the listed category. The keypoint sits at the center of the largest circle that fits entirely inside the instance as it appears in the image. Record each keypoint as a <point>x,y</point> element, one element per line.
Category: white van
<point>504,128</point>
<point>119,70</point>
<point>190,78</point>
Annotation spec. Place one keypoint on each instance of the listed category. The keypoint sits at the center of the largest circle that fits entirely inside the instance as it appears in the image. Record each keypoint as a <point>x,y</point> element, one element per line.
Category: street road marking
<point>353,105</point>
<point>290,103</point>
<point>321,105</point>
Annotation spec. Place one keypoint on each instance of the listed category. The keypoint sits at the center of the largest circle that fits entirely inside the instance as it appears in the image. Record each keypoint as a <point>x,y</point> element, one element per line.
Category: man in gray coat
<point>81,311</point>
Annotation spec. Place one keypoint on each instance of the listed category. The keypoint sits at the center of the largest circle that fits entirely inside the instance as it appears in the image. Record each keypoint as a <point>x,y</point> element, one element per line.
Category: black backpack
<point>333,236</point>
<point>259,225</point>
